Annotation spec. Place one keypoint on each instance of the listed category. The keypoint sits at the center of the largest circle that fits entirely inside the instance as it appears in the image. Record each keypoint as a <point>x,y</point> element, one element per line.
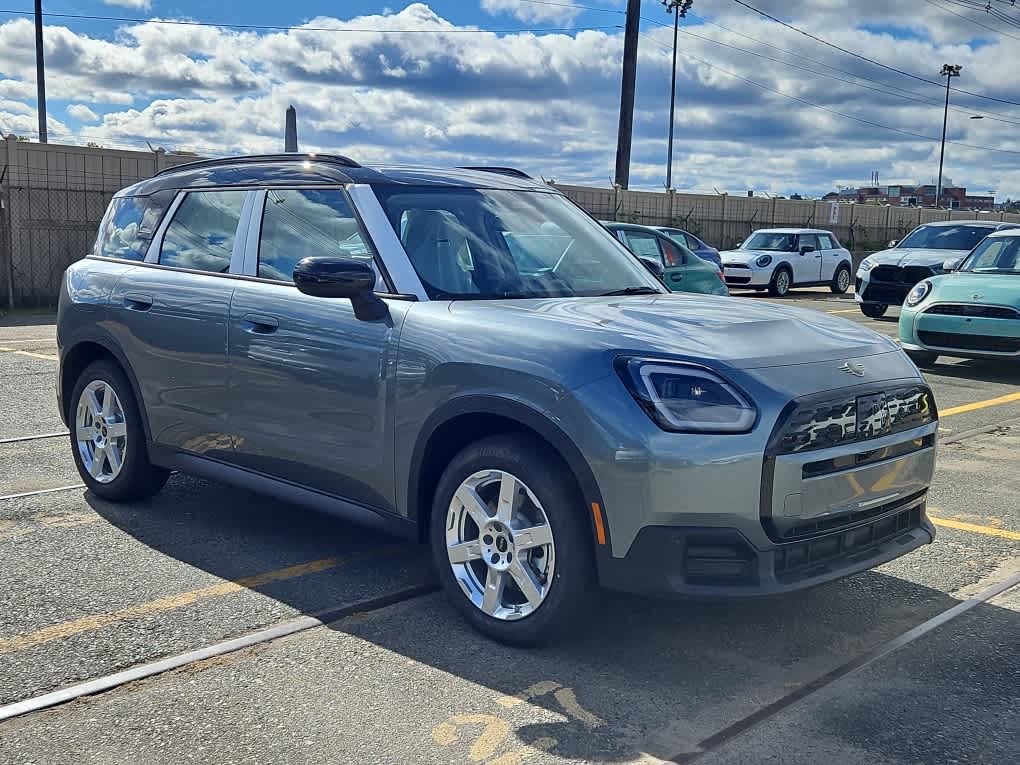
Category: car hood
<point>745,333</point>
<point>899,256</point>
<point>985,289</point>
<point>747,256</point>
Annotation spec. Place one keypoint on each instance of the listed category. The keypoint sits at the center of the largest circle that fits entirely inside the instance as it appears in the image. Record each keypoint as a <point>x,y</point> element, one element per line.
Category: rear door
<point>308,380</point>
<point>807,265</point>
<point>173,312</point>
<point>832,256</point>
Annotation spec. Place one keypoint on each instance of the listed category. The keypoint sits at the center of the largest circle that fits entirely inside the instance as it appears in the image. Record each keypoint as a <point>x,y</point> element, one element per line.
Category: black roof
<point>323,169</point>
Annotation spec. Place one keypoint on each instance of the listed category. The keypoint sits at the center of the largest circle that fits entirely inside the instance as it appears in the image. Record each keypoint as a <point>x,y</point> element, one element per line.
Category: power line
<point>872,61</point>
<point>972,21</point>
<point>838,113</point>
<point>275,28</point>
<point>877,87</point>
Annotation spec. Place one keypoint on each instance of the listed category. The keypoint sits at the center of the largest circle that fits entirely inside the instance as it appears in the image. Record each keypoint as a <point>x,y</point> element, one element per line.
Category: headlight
<point>763,261</point>
<point>687,398</point>
<point>866,265</point>
<point>919,293</point>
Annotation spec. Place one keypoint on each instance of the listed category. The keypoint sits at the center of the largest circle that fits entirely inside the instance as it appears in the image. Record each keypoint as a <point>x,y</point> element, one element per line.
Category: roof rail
<point>513,171</point>
<point>333,159</point>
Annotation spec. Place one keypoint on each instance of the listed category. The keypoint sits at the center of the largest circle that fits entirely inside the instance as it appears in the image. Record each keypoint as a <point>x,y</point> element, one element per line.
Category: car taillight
<point>721,275</point>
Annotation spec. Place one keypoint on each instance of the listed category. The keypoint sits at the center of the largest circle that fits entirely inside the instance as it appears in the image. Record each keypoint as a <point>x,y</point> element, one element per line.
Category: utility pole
<point>40,71</point>
<point>630,50</point>
<point>949,71</point>
<point>679,9</point>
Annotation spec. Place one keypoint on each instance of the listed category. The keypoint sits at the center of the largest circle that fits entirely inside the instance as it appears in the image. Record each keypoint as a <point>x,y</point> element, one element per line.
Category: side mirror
<point>328,277</point>
<point>950,265</point>
<point>806,249</point>
<point>654,266</point>
<point>893,242</point>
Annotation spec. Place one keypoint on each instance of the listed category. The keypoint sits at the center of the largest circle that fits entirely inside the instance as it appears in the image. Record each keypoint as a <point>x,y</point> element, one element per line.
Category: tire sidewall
<point>835,280</point>
<point>774,285</point>
<point>136,474</point>
<point>573,579</point>
<point>871,310</point>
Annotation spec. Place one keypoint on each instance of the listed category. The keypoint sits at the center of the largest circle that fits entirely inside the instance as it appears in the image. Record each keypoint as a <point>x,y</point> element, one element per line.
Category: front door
<point>309,382</point>
<point>832,256</point>
<point>173,312</point>
<point>807,265</point>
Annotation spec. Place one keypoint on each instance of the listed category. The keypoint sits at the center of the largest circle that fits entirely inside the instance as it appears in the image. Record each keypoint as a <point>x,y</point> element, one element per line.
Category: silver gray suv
<point>465,357</point>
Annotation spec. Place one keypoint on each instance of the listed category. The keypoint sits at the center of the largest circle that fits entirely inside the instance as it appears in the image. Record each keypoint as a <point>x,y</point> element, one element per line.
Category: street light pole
<point>40,71</point>
<point>678,8</point>
<point>949,71</point>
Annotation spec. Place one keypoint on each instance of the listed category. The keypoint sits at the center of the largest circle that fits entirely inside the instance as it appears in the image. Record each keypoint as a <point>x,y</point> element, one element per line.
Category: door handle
<point>260,324</point>
<point>136,301</point>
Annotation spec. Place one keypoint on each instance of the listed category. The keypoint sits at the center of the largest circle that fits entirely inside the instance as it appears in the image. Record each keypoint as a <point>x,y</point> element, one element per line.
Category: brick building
<point>955,197</point>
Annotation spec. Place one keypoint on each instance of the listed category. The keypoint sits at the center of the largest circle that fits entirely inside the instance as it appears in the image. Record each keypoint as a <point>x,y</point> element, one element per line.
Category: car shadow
<point>639,676</point>
<point>1003,371</point>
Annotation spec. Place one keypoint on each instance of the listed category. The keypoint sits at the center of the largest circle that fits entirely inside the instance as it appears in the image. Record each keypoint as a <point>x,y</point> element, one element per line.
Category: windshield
<point>491,243</point>
<point>766,241</point>
<point>998,255</point>
<point>946,237</point>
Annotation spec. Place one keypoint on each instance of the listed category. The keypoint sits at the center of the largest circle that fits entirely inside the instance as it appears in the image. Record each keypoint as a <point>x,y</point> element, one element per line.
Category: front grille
<point>796,560</point>
<point>812,425</point>
<point>982,311</point>
<point>742,266</point>
<point>790,530</point>
<point>986,343</point>
<point>906,276</point>
<point>730,279</point>
<point>862,459</point>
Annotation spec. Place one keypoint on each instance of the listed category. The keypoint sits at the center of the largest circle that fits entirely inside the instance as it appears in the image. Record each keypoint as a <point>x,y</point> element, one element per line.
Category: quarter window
<point>303,223</point>
<point>202,232</point>
<point>644,245</point>
<point>129,225</point>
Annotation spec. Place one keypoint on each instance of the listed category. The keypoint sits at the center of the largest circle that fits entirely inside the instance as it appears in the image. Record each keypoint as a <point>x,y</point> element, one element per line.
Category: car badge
<point>976,296</point>
<point>853,368</point>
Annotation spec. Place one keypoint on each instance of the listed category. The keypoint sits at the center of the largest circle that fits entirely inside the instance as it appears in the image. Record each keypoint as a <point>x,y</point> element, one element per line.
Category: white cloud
<point>451,94</point>
<point>138,5</point>
<point>555,10</point>
<point>82,113</point>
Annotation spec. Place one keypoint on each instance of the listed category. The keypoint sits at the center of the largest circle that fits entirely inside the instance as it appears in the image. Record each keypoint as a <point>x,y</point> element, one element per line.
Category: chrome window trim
<point>387,244</point>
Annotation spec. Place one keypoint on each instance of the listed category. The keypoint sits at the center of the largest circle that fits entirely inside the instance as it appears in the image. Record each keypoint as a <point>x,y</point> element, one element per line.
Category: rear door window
<point>202,233</point>
<point>827,242</point>
<point>303,223</point>
<point>129,225</point>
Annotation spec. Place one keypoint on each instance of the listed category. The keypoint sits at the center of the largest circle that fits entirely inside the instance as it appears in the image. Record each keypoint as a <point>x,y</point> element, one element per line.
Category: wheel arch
<point>465,420</point>
<point>76,359</point>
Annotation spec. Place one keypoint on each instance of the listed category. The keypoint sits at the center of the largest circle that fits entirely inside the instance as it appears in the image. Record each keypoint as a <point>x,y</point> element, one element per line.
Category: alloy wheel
<point>100,430</point>
<point>843,280</point>
<point>500,545</point>
<point>782,282</point>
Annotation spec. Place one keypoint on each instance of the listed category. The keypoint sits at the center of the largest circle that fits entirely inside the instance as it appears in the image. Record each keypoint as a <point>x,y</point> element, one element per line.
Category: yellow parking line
<point>846,310</point>
<point>990,531</point>
<point>1007,399</point>
<point>160,605</point>
<point>29,353</point>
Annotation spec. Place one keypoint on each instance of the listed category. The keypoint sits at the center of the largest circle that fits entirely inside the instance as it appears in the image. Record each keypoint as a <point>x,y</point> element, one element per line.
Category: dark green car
<point>683,270</point>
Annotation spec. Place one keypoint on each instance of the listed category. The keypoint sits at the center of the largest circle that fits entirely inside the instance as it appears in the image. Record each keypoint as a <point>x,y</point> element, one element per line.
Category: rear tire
<point>840,280</point>
<point>874,310</point>
<point>923,359</point>
<point>107,437</point>
<point>481,581</point>
<point>782,280</point>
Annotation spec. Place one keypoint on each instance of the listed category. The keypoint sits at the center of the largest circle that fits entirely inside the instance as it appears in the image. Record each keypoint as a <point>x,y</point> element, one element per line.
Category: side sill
<point>214,470</point>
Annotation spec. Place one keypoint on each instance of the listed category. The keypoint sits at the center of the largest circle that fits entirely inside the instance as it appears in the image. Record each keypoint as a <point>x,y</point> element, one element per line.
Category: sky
<point>535,84</point>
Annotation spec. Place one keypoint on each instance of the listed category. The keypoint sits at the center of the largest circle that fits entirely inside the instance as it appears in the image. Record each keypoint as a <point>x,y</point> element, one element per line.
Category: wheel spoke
<point>529,587</point>
<point>98,458</point>
<point>108,398</point>
<point>116,429</point>
<point>92,402</point>
<point>474,505</point>
<point>494,584</point>
<point>84,432</point>
<point>508,499</point>
<point>464,552</point>
<point>533,536</point>
<point>114,457</point>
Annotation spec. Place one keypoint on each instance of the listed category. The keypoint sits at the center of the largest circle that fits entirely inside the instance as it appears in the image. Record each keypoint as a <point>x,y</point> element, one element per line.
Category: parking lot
<point>917,661</point>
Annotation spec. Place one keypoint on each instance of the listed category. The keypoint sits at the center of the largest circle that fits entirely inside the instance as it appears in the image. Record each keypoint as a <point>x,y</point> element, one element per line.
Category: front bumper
<point>739,275</point>
<point>965,334</point>
<point>714,562</point>
<point>888,284</point>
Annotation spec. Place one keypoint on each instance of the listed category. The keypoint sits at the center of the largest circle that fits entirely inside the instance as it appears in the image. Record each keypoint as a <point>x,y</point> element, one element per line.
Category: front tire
<point>509,541</point>
<point>923,359</point>
<point>107,438</point>
<point>840,281</point>
<point>874,310</point>
<point>782,280</point>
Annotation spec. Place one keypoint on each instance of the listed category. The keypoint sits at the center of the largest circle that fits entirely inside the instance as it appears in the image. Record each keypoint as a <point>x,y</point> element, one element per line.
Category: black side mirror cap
<point>653,266</point>
<point>329,277</point>
<point>806,249</point>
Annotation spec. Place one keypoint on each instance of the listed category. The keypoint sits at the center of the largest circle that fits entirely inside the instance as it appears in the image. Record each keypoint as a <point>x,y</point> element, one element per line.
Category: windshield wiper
<point>632,291</point>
